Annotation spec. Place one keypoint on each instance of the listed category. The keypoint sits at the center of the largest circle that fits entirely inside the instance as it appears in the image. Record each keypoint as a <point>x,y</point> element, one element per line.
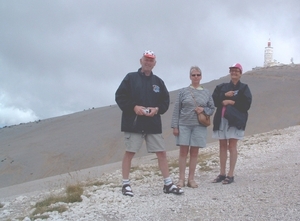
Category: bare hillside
<point>92,137</point>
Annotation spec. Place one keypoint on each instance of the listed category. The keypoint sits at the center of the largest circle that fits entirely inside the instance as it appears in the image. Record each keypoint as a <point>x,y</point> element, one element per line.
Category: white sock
<point>167,181</point>
<point>126,181</point>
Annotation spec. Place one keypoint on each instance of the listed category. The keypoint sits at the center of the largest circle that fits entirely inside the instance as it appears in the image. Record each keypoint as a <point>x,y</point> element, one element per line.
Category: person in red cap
<point>143,97</point>
<point>232,100</point>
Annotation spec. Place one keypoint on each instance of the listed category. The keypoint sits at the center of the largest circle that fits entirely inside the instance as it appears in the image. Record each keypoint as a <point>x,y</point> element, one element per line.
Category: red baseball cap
<point>237,65</point>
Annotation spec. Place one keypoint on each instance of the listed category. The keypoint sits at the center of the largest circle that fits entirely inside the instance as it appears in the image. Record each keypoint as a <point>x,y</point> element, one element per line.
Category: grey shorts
<point>194,136</point>
<point>225,132</point>
<point>134,142</point>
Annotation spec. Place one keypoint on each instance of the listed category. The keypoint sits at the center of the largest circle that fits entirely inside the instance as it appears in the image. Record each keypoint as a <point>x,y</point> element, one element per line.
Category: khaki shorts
<point>134,142</point>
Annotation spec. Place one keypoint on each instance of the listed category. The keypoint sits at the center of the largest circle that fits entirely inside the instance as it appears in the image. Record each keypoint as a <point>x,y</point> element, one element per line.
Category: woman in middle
<point>190,134</point>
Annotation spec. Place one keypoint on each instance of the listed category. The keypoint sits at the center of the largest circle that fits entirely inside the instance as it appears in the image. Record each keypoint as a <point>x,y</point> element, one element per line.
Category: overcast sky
<point>63,56</point>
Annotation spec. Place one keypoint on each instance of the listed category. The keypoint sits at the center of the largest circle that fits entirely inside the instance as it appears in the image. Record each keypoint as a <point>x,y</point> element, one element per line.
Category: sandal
<point>192,184</point>
<point>126,190</point>
<point>228,180</point>
<point>181,183</point>
<point>219,179</point>
<point>172,188</point>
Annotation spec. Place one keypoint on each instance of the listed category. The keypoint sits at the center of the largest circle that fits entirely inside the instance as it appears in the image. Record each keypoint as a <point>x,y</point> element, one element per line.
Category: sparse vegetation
<point>132,169</point>
<point>203,160</point>
<point>73,194</point>
<point>96,183</point>
<point>145,168</point>
<point>173,163</point>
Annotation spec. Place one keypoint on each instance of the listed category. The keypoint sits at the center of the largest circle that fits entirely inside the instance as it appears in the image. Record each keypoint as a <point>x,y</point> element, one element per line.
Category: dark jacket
<point>242,99</point>
<point>147,91</point>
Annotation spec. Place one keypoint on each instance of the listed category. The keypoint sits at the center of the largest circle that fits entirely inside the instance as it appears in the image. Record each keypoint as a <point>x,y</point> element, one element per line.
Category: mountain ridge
<point>92,137</point>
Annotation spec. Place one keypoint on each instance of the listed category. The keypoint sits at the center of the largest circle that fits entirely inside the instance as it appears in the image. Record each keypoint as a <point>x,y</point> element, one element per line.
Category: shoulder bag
<point>203,118</point>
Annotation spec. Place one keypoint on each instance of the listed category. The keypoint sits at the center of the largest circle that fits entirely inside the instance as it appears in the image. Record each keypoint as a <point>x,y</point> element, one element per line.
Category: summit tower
<point>268,55</point>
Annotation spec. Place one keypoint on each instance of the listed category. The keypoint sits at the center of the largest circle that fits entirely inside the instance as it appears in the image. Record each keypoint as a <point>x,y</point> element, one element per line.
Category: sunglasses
<point>198,75</point>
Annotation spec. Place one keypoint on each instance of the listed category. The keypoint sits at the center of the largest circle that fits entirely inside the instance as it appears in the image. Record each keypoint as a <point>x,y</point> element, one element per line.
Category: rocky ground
<point>266,187</point>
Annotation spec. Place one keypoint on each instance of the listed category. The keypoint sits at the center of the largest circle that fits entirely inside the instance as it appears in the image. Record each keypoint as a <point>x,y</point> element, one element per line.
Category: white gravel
<point>266,187</point>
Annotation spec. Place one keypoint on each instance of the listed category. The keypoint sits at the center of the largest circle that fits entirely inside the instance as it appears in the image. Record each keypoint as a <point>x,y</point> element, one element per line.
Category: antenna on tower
<point>269,42</point>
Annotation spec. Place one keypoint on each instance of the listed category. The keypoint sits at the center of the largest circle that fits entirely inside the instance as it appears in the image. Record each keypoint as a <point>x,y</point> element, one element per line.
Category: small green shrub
<point>73,194</point>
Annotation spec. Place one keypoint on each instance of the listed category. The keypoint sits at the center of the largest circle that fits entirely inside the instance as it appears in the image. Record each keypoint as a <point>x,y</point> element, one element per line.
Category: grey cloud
<point>59,57</point>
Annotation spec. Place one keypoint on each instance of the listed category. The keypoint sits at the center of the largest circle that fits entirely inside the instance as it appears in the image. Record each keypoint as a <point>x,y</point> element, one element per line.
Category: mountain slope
<point>92,137</point>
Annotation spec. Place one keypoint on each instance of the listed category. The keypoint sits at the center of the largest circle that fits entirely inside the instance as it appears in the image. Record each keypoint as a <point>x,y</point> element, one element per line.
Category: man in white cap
<point>143,97</point>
